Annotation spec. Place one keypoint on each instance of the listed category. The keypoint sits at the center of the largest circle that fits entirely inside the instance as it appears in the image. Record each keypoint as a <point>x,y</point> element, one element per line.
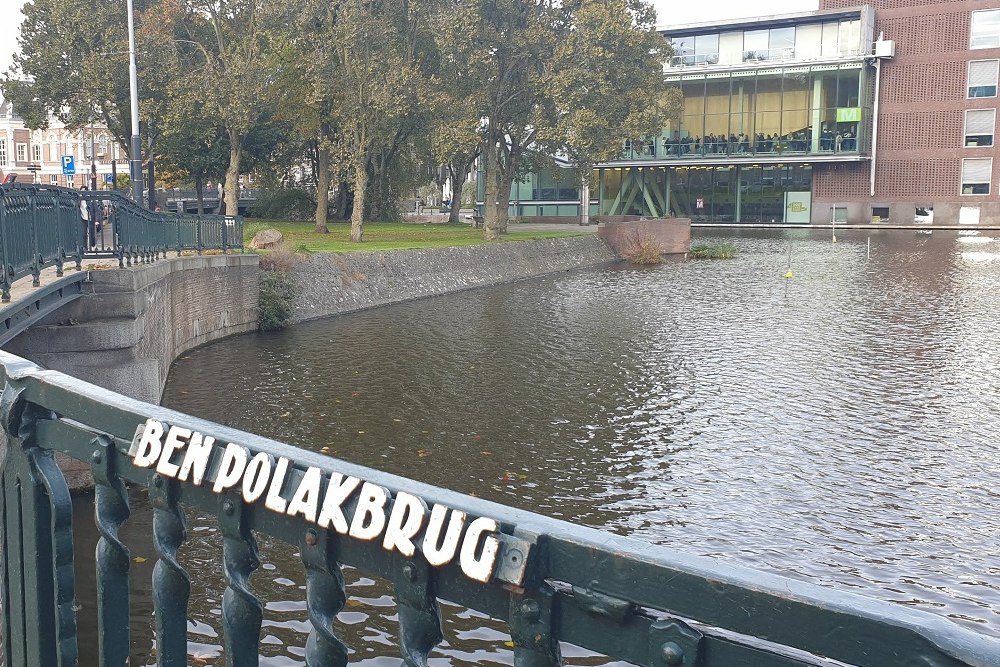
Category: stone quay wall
<point>130,324</point>
<point>331,284</point>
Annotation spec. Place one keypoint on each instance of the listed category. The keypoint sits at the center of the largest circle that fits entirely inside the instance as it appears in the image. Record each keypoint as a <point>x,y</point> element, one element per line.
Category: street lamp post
<point>135,164</point>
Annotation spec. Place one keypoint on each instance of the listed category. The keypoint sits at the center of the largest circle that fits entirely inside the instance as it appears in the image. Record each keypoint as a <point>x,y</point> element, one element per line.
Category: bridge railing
<point>132,233</point>
<point>549,580</point>
<point>39,227</point>
<point>43,226</point>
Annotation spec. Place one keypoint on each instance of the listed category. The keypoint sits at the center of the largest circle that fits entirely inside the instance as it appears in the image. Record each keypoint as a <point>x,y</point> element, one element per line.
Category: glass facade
<point>719,193</point>
<point>830,39</point>
<point>799,110</point>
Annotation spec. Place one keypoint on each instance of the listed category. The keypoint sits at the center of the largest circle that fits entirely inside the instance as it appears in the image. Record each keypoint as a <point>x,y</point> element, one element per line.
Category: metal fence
<point>43,226</point>
<point>551,581</point>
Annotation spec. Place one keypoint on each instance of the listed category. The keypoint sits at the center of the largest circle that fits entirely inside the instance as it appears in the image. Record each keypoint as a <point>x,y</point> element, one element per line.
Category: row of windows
<point>832,39</point>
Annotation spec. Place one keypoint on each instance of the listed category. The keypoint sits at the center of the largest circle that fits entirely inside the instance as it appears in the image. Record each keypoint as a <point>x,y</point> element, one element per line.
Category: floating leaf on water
<point>285,414</point>
<point>422,453</point>
<point>139,559</point>
<point>486,453</point>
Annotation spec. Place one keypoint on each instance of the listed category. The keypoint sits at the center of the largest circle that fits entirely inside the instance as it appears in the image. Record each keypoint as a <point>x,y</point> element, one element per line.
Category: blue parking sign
<point>68,165</point>
<point>109,178</point>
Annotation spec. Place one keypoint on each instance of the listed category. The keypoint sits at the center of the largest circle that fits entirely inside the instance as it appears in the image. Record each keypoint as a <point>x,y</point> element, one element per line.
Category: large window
<point>979,124</point>
<point>977,173</point>
<point>22,152</point>
<point>985,29</point>
<point>36,152</point>
<point>982,78</point>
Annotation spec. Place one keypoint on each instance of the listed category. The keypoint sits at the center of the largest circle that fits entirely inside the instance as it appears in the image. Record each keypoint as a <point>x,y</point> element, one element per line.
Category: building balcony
<point>761,57</point>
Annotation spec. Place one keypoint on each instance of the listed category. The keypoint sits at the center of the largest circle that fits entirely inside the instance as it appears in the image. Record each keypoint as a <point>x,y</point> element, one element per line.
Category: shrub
<point>274,308</point>
<point>283,205</point>
<point>642,249</point>
<point>712,251</point>
<point>277,288</point>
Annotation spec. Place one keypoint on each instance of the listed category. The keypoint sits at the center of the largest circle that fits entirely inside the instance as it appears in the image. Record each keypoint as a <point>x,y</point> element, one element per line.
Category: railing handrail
<point>552,581</point>
<point>43,226</point>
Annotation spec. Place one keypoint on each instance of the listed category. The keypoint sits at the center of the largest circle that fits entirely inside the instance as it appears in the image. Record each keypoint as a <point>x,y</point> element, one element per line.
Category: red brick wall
<point>922,114</point>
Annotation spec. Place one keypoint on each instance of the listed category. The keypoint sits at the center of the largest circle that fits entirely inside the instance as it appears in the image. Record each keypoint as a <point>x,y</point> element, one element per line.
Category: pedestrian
<point>88,223</point>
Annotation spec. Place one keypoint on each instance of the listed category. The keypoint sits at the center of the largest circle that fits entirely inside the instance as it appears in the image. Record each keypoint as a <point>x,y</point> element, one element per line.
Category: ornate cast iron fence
<point>549,580</point>
<point>42,226</point>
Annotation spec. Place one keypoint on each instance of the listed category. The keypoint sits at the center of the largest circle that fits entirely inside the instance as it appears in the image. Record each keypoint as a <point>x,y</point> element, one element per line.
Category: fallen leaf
<point>285,414</point>
<point>422,453</point>
<point>139,559</point>
<point>486,453</point>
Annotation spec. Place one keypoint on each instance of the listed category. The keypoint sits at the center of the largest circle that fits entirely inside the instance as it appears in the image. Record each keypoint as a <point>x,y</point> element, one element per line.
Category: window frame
<point>965,130</point>
<point>962,183</point>
<point>968,86</point>
<point>993,36</point>
<point>21,152</point>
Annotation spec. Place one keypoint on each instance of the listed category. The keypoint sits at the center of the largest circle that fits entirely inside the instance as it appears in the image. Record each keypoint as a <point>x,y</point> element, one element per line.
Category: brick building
<point>936,149</point>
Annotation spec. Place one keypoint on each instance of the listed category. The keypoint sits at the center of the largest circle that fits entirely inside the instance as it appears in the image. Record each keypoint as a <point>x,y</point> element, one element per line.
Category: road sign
<point>699,203</point>
<point>68,165</point>
<point>109,178</point>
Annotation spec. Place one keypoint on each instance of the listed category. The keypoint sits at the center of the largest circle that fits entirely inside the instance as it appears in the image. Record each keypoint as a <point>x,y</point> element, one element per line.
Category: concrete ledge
<point>332,284</point>
<point>673,235</point>
<point>131,323</point>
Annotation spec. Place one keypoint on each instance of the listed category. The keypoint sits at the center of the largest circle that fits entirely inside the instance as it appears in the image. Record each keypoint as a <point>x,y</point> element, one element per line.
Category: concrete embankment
<point>332,284</point>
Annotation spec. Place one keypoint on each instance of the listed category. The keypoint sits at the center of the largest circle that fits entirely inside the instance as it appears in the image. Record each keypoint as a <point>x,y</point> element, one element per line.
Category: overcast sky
<point>671,12</point>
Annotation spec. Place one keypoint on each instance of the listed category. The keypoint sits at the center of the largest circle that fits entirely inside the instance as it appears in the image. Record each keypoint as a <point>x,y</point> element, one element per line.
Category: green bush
<point>274,308</point>
<point>712,251</point>
<point>643,249</point>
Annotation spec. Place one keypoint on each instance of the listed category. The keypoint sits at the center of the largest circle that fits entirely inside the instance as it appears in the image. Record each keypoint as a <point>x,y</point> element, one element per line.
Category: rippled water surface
<point>840,426</point>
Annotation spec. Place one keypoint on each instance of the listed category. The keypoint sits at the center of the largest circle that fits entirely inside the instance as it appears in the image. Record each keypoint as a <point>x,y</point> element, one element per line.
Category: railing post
<point>38,595</point>
<point>242,611</point>
<point>111,510</point>
<point>325,598</point>
<point>199,242</point>
<point>36,267</point>
<point>171,584</point>
<point>5,269</point>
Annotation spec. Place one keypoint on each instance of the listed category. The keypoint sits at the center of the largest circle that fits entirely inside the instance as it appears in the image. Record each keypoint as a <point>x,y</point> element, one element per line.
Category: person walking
<point>89,233</point>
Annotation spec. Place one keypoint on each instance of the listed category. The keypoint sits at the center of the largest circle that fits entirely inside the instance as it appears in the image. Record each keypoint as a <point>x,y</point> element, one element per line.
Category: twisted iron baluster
<point>242,611</point>
<point>419,615</point>
<point>171,584</point>
<point>325,597</point>
<point>111,510</point>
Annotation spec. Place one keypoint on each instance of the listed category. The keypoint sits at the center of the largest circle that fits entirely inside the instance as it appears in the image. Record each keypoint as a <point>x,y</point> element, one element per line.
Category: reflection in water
<point>836,427</point>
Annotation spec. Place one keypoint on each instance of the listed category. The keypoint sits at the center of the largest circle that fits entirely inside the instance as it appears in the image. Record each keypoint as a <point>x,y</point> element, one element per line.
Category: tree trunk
<point>360,185</point>
<point>343,192</point>
<point>459,170</point>
<point>322,189</point>
<point>491,201</point>
<point>233,174</point>
<point>505,181</point>
<point>199,188</point>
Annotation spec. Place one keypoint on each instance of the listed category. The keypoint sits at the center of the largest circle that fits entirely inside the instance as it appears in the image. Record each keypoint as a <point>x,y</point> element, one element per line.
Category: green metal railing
<point>549,580</point>
<point>42,226</point>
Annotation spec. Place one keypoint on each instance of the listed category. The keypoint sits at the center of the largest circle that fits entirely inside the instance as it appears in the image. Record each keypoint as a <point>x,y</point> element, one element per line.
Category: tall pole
<point>135,164</point>
<point>93,157</point>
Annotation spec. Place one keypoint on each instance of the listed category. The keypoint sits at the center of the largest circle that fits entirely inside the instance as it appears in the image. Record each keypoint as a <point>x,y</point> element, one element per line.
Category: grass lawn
<point>383,236</point>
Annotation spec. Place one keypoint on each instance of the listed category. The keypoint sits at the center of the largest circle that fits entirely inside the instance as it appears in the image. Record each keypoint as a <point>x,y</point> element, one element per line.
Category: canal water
<point>839,426</point>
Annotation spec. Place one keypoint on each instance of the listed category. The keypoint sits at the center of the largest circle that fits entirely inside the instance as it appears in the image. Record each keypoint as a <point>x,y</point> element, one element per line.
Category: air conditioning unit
<point>885,48</point>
